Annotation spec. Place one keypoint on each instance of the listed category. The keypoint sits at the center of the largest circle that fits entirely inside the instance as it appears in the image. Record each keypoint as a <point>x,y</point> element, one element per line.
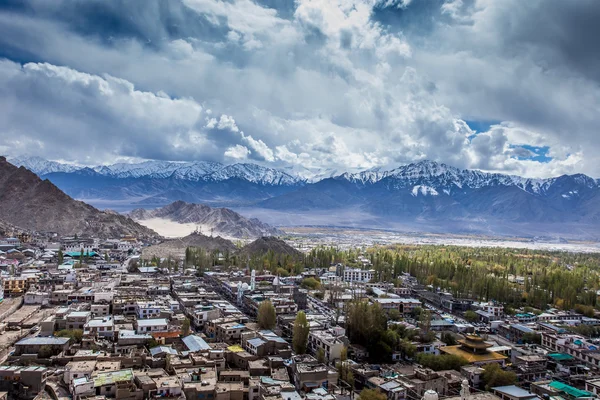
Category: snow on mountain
<point>196,171</point>
<point>40,166</point>
<point>423,191</point>
<point>253,173</point>
<point>154,169</point>
<point>445,178</point>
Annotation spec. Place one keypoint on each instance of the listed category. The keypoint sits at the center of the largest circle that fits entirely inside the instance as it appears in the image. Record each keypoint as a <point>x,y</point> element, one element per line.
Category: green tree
<point>372,394</point>
<point>321,355</point>
<point>310,283</point>
<point>74,334</point>
<point>394,315</point>
<point>494,376</point>
<point>46,351</point>
<point>448,339</point>
<point>471,316</point>
<point>301,330</point>
<point>442,362</point>
<point>531,338</point>
<point>61,257</point>
<point>267,318</point>
<point>185,327</point>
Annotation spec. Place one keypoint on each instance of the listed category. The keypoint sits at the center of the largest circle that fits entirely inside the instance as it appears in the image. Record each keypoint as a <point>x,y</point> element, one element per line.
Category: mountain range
<point>419,193</point>
<point>30,203</point>
<point>218,221</point>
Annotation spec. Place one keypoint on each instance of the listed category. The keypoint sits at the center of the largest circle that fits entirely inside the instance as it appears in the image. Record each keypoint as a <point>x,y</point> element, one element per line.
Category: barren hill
<point>265,244</point>
<point>219,221</point>
<point>175,248</point>
<point>38,205</point>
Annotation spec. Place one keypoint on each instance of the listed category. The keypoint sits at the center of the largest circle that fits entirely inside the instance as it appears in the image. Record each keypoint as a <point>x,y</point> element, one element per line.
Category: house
<point>326,340</point>
<point>32,345</point>
<point>78,319</point>
<point>152,325</point>
<point>78,369</point>
<point>101,327</point>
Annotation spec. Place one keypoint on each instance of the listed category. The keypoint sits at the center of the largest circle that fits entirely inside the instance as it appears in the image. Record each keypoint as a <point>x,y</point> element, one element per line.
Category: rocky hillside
<point>265,244</point>
<point>35,204</point>
<point>175,248</point>
<point>219,221</point>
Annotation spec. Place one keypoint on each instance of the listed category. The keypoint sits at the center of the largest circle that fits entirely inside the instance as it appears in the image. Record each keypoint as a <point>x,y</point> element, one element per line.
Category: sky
<point>506,86</point>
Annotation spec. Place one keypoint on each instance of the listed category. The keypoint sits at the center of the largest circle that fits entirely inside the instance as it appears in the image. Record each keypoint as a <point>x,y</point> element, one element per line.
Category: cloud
<point>237,152</point>
<point>332,84</point>
<point>259,147</point>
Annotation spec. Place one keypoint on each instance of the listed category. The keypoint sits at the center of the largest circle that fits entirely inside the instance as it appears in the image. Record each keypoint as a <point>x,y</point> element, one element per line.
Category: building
<point>475,350</point>
<point>403,305</point>
<point>32,345</point>
<point>78,319</point>
<point>358,275</point>
<point>152,325</point>
<point>328,341</point>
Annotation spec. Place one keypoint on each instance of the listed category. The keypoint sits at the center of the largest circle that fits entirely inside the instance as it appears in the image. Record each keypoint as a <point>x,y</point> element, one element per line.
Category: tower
<point>253,280</point>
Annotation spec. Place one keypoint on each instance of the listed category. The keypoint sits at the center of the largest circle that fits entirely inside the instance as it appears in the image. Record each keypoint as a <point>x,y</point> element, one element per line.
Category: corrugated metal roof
<point>195,343</point>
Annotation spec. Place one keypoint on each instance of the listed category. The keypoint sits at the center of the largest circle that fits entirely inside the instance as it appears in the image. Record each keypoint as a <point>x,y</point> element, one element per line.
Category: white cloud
<point>237,152</point>
<point>259,147</point>
<point>227,122</point>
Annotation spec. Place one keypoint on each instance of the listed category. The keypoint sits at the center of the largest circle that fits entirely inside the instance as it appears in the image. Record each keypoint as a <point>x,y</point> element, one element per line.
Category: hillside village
<point>87,318</point>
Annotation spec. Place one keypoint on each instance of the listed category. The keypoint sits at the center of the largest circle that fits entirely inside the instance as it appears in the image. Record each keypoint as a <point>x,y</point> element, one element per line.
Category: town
<point>90,318</point>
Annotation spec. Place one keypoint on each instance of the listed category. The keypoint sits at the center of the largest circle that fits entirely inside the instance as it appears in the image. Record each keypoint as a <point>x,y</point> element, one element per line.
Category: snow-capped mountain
<point>40,166</point>
<point>425,190</point>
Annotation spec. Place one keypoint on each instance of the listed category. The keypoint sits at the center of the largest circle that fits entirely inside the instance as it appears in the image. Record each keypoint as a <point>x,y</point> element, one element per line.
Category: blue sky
<point>306,86</point>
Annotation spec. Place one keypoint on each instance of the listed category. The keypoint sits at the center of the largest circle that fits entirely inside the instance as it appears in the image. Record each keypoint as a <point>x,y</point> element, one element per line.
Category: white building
<point>358,275</point>
<point>327,340</point>
<point>152,325</point>
<point>495,309</point>
<point>147,310</point>
<point>104,327</point>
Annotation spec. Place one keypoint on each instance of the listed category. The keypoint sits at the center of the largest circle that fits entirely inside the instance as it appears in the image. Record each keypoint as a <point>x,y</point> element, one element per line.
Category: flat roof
<point>513,391</point>
<point>152,322</point>
<point>41,341</point>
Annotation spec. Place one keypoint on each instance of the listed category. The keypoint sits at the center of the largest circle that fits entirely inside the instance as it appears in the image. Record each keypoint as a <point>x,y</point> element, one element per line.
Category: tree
<point>471,316</point>
<point>531,338</point>
<point>321,355</point>
<point>448,339</point>
<point>185,327</point>
<point>267,318</point>
<point>416,312</point>
<point>301,329</point>
<point>394,314</point>
<point>46,351</point>
<point>372,394</point>
<point>74,334</point>
<point>61,257</point>
<point>494,376</point>
<point>310,283</point>
<point>442,362</point>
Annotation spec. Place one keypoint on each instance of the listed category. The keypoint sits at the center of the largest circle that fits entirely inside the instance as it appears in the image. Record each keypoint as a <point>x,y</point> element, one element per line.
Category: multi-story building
<point>328,341</point>
<point>403,305</point>
<point>358,275</point>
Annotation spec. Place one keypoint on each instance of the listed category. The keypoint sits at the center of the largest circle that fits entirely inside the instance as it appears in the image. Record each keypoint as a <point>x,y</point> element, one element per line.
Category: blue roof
<point>522,328</point>
<point>256,342</point>
<point>162,349</point>
<point>195,343</point>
